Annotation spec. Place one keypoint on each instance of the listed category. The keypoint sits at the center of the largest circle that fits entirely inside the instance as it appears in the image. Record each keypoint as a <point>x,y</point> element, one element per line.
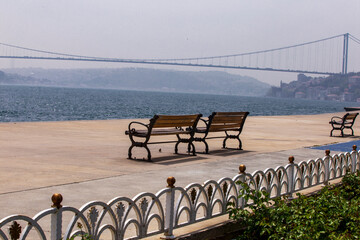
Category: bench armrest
<point>200,119</point>
<point>206,121</point>
<point>333,119</point>
<point>131,129</point>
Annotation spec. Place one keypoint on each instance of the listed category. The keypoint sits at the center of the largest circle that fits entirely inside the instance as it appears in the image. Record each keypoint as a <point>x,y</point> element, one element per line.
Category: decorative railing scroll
<point>148,214</point>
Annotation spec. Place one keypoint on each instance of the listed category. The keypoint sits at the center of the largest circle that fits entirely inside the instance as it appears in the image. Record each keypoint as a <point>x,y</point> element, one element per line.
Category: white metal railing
<point>148,214</point>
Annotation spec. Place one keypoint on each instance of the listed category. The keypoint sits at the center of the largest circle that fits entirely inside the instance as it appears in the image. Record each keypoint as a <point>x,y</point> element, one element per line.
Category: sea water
<point>25,103</point>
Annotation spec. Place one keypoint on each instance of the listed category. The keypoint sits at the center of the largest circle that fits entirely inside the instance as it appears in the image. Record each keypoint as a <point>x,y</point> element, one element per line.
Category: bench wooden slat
<point>177,123</point>
<point>175,117</point>
<point>232,113</point>
<point>169,125</point>
<point>169,132</point>
<point>228,119</point>
<point>166,121</point>
<point>160,132</point>
<point>350,117</point>
<point>214,128</point>
<point>175,120</point>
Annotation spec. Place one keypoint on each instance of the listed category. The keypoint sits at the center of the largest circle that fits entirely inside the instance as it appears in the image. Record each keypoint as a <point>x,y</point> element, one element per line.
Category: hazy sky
<point>169,28</point>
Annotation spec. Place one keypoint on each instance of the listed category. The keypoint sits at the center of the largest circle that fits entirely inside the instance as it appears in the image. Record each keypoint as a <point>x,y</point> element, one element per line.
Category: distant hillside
<point>213,82</point>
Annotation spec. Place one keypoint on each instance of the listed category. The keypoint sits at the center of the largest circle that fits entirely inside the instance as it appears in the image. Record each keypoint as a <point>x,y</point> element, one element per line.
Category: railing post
<point>353,159</point>
<point>242,178</point>
<point>169,209</point>
<point>56,218</point>
<point>291,177</point>
<point>327,166</point>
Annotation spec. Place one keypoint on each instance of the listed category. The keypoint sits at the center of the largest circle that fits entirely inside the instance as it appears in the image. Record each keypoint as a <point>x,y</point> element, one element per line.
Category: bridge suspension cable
<point>324,56</point>
<point>354,39</point>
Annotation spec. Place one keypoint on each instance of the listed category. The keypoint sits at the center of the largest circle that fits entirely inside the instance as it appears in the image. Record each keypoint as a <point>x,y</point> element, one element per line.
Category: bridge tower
<point>345,53</point>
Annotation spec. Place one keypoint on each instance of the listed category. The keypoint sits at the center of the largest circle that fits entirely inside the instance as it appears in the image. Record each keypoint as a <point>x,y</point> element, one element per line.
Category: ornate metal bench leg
<point>205,143</point>
<point>206,147</point>
<point>129,151</point>
<point>176,147</point>
<point>139,144</point>
<point>224,142</point>
<point>189,147</point>
<point>149,154</point>
<point>240,144</point>
<point>232,137</point>
<point>193,148</point>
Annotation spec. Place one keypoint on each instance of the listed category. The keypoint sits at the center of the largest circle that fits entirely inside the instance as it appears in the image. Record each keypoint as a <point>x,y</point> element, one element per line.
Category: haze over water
<point>24,103</point>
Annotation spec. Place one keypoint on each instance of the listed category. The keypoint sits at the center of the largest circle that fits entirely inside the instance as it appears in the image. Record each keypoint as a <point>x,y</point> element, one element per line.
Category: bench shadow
<point>225,152</point>
<point>346,136</point>
<point>182,158</point>
<point>178,158</point>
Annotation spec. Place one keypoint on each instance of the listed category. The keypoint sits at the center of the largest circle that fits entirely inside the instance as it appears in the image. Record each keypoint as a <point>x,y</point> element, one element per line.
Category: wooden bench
<point>347,121</point>
<point>163,125</point>
<point>222,122</point>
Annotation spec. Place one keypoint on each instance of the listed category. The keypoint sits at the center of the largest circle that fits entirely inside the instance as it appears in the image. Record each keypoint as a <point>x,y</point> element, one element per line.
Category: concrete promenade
<point>87,160</point>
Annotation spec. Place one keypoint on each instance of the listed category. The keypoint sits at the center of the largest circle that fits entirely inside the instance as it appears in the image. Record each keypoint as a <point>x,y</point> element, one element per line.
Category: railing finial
<point>56,199</point>
<point>242,168</point>
<point>327,152</point>
<point>171,181</point>
<point>291,159</point>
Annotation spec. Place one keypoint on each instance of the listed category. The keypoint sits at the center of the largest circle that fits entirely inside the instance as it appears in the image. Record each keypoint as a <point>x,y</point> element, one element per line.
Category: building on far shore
<point>333,88</point>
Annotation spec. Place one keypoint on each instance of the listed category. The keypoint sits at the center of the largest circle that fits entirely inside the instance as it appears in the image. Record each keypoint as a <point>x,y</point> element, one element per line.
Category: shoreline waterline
<point>147,119</point>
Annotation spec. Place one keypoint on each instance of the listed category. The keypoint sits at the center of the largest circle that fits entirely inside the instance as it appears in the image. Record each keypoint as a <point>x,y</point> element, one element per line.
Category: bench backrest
<point>173,121</point>
<point>350,117</point>
<point>227,121</point>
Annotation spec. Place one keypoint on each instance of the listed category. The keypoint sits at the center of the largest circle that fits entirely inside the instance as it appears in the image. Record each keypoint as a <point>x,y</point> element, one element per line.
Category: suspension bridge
<point>328,56</point>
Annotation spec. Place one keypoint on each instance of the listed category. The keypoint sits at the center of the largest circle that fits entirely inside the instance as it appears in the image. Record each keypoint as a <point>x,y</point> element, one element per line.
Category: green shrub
<point>334,213</point>
<point>83,235</point>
